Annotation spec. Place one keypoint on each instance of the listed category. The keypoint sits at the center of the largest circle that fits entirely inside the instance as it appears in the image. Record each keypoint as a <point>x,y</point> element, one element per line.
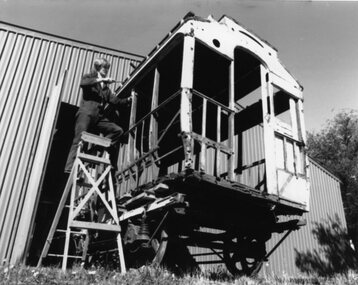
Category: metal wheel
<point>243,255</point>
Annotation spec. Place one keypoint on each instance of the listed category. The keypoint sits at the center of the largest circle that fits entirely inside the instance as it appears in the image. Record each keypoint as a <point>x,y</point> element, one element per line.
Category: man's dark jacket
<point>96,98</point>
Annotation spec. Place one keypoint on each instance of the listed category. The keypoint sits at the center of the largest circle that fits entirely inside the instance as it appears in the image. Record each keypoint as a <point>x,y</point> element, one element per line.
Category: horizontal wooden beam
<point>92,138</point>
<point>211,143</point>
<point>95,226</point>
<point>211,100</point>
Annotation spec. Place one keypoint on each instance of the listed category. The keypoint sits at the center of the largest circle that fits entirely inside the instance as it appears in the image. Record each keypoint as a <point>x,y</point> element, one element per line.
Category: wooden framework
<point>215,152</point>
<point>86,184</point>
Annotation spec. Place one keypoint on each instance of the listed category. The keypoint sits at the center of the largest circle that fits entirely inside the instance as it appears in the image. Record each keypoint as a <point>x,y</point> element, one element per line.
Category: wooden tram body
<point>216,141</point>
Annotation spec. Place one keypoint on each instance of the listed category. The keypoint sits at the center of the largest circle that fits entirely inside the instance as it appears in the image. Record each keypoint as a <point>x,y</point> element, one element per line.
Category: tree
<point>336,148</point>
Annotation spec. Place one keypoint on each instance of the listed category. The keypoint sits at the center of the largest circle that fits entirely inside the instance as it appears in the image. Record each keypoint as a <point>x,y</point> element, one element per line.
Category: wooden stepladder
<point>90,183</point>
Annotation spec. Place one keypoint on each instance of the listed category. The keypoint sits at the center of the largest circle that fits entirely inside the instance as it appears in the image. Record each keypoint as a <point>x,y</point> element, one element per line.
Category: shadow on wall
<point>335,255</point>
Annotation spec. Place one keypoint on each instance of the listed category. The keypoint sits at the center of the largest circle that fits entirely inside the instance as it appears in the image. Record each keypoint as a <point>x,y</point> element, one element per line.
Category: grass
<point>148,275</point>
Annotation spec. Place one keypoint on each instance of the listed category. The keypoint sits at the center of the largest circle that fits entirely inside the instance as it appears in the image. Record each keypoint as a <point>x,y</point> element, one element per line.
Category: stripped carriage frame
<point>218,120</point>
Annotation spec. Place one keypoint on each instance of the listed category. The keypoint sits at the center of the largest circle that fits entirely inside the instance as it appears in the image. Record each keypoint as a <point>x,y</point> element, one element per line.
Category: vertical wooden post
<point>203,134</point>
<point>142,138</point>
<point>285,164</point>
<point>302,135</point>
<point>218,139</point>
<point>153,125</point>
<point>186,96</point>
<point>132,134</point>
<point>294,118</point>
<point>294,123</point>
<point>269,135</point>
<point>120,253</point>
<point>132,118</point>
<point>231,122</point>
<point>301,123</point>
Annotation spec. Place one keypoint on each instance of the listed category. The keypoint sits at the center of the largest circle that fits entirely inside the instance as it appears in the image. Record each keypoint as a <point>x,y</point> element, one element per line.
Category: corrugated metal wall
<point>31,63</point>
<point>325,202</point>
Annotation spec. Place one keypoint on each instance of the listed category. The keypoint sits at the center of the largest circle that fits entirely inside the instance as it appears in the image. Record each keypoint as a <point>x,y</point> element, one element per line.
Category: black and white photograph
<point>178,142</point>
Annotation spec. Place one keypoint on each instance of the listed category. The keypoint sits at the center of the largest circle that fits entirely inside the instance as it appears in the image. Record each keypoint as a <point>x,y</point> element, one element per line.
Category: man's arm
<point>118,101</point>
<point>89,79</point>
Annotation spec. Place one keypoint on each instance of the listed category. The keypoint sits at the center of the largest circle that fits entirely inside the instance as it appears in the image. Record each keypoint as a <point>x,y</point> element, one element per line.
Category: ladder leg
<point>85,247</point>
<point>65,251</point>
<point>120,254</point>
<point>56,219</point>
<point>70,216</point>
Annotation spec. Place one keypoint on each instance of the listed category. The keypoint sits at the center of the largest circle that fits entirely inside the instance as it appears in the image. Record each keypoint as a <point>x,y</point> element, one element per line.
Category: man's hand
<point>130,98</point>
<point>108,80</point>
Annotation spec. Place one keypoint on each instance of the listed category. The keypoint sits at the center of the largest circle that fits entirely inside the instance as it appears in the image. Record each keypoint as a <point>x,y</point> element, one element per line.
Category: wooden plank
<point>285,153</point>
<point>132,134</point>
<point>231,122</point>
<point>70,214</point>
<point>158,203</point>
<point>31,201</point>
<point>211,100</point>
<point>211,143</point>
<point>269,136</point>
<point>132,119</point>
<point>68,256</point>
<point>93,159</point>
<point>97,140</point>
<point>186,127</point>
<point>95,226</point>
<point>203,134</point>
<point>152,172</point>
<point>153,125</point>
<point>138,200</point>
<point>301,122</point>
<point>218,140</point>
<point>186,95</point>
<point>188,62</point>
<point>142,138</point>
<point>294,118</point>
<point>121,254</point>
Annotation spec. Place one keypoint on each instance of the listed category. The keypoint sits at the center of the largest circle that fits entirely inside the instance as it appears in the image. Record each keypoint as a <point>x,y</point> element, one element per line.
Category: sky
<point>317,41</point>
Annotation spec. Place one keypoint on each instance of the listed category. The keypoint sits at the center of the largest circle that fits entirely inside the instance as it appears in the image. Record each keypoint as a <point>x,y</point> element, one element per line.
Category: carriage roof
<point>223,36</point>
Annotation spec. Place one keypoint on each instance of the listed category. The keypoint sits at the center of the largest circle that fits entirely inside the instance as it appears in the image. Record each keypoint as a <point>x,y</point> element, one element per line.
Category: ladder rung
<point>93,158</point>
<point>61,255</point>
<point>72,232</point>
<point>84,184</point>
<point>95,226</point>
<point>91,138</point>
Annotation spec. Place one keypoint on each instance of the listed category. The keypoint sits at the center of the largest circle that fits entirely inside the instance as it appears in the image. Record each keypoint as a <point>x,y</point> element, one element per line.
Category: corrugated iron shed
<point>31,64</point>
<point>325,201</point>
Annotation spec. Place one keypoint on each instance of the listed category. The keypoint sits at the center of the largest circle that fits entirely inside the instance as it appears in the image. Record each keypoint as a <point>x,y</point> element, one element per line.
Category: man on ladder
<point>90,164</point>
<point>91,115</point>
